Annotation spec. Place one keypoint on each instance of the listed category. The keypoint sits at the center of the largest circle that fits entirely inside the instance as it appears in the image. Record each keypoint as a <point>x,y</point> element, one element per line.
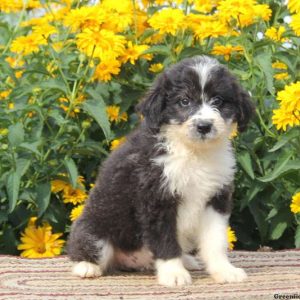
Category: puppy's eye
<point>184,102</point>
<point>218,100</point>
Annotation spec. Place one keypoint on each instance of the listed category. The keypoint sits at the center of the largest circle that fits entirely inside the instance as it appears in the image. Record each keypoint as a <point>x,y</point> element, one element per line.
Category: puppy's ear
<point>152,105</point>
<point>246,108</point>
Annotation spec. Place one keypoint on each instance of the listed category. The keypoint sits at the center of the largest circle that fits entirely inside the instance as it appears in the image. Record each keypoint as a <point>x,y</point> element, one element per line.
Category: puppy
<point>167,190</point>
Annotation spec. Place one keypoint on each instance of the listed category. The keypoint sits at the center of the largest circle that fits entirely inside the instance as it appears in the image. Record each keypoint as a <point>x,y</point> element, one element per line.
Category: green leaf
<point>3,217</point>
<point>284,140</point>
<point>96,108</point>
<point>278,169</point>
<point>278,230</point>
<point>9,241</point>
<point>13,186</point>
<point>272,213</point>
<point>16,134</point>
<point>146,34</point>
<point>297,237</point>
<point>72,171</point>
<point>164,50</point>
<point>259,217</point>
<point>54,84</point>
<point>264,62</point>
<point>279,222</point>
<point>22,166</point>
<point>245,161</point>
<point>32,147</point>
<point>253,190</point>
<point>189,52</point>
<point>43,193</point>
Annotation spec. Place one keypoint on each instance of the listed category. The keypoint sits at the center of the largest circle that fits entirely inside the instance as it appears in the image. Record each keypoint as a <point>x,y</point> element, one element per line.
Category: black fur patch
<point>127,206</point>
<point>222,201</point>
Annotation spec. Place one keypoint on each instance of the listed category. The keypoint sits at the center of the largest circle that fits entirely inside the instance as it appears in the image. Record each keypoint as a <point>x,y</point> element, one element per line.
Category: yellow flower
<point>15,62</point>
<point>282,118</point>
<point>243,12</point>
<point>27,44</point>
<point>11,105</point>
<point>276,34</point>
<point>295,205</point>
<point>43,30</point>
<point>295,23</point>
<point>154,39</point>
<point>262,11</point>
<point>76,212</point>
<point>116,143</point>
<point>103,43</point>
<point>113,113</point>
<point>106,68</point>
<point>279,65</point>
<point>133,52</point>
<point>156,68</point>
<point>226,50</point>
<point>288,114</point>
<point>234,131</point>
<point>9,6</point>
<point>168,21</point>
<point>19,74</point>
<point>39,241</point>
<point>74,196</point>
<point>51,68</point>
<point>3,131</point>
<point>58,46</point>
<point>281,76</point>
<point>58,185</point>
<point>205,6</point>
<point>290,97</point>
<point>119,14</point>
<point>140,24</point>
<point>294,6</point>
<point>5,94</point>
<point>231,238</point>
<point>91,17</point>
<point>205,26</point>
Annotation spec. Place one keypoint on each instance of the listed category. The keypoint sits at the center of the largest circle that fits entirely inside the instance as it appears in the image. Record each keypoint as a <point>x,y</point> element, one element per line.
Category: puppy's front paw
<point>172,272</point>
<point>229,274</point>
<point>86,269</point>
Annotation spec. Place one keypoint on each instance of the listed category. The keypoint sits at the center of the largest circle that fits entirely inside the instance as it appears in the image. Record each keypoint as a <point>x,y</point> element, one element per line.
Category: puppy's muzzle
<point>204,127</point>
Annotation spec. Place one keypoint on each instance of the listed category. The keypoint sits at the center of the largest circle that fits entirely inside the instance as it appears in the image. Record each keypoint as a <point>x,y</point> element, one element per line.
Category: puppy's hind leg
<point>97,268</point>
<point>91,256</point>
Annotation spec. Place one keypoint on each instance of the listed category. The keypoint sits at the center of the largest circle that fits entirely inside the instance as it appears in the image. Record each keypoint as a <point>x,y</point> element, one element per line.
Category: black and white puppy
<point>167,190</point>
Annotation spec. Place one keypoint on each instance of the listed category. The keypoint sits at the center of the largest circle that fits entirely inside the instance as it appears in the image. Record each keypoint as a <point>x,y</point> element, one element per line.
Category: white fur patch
<point>213,246</point>
<point>86,269</point>
<point>196,174</point>
<point>106,254</point>
<point>220,127</point>
<point>172,272</point>
<point>203,67</point>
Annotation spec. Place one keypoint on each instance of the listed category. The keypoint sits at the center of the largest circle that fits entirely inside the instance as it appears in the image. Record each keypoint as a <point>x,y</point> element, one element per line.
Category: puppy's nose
<point>204,127</point>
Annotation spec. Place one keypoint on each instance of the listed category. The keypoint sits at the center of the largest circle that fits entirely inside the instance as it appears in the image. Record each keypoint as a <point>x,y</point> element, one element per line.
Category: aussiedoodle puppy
<point>167,190</point>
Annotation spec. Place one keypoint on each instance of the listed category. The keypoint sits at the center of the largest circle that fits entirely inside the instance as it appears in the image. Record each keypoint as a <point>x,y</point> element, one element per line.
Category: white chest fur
<point>196,177</point>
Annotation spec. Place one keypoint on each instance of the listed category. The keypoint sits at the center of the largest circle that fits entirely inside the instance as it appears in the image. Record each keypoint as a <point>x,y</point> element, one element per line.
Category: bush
<point>71,73</point>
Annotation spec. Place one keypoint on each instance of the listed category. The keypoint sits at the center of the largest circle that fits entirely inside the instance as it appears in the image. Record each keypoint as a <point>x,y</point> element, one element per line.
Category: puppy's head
<point>198,99</point>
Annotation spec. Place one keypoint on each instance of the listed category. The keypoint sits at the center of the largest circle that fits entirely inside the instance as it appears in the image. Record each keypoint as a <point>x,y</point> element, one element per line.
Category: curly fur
<point>167,190</point>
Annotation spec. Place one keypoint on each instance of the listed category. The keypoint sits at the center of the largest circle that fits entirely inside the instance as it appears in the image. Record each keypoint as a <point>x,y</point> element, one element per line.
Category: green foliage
<point>54,126</point>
